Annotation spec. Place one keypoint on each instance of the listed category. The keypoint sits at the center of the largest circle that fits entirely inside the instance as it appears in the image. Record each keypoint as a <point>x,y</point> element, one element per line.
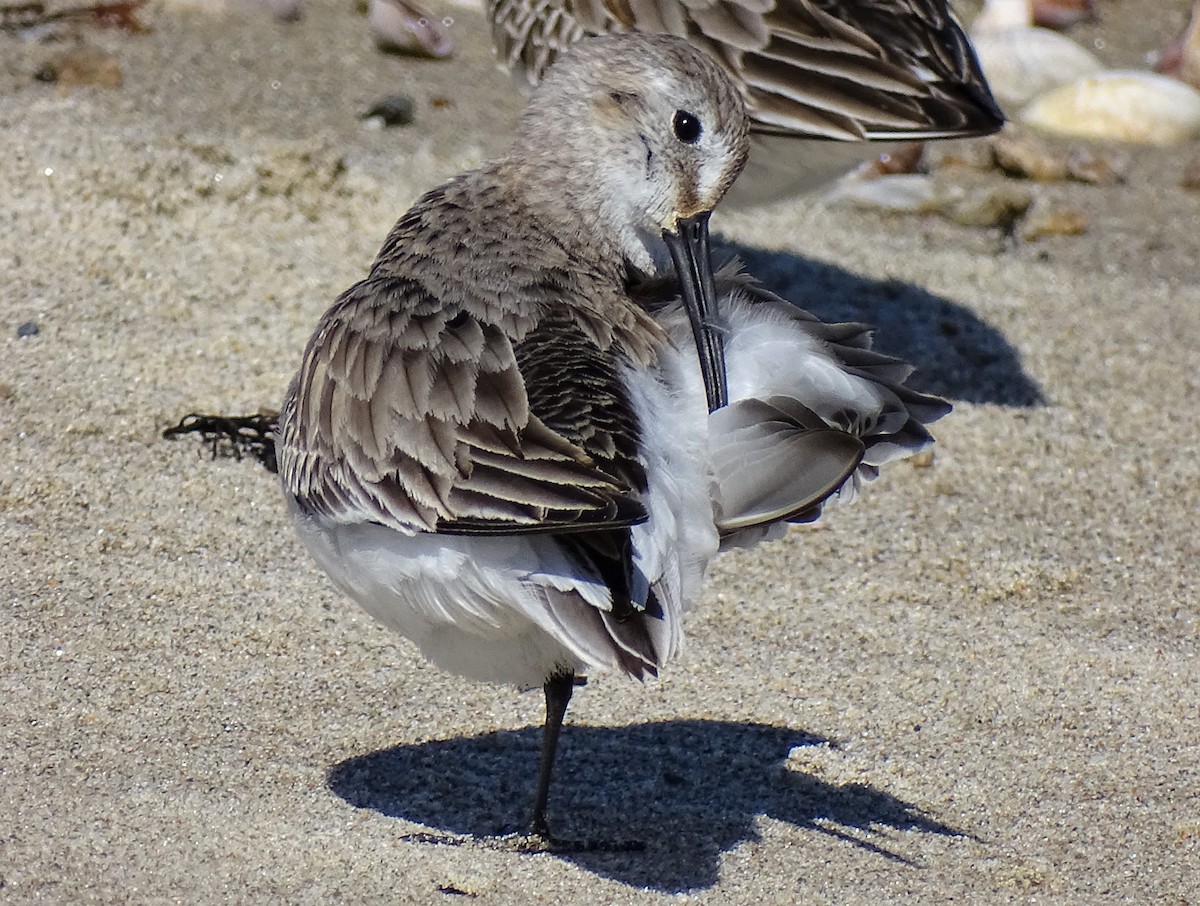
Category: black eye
<point>687,127</point>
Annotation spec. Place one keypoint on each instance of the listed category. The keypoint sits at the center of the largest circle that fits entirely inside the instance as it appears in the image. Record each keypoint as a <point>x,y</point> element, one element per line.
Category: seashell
<point>401,26</point>
<point>1063,13</point>
<point>1126,106</point>
<point>1023,63</point>
<point>1180,57</point>
<point>903,193</point>
<point>999,15</point>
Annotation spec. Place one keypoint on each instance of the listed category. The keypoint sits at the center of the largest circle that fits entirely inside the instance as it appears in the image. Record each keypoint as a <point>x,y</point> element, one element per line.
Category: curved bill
<point>689,250</point>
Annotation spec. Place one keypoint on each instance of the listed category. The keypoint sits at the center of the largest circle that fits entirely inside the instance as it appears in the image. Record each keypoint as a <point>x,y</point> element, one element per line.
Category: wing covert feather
<point>421,420</point>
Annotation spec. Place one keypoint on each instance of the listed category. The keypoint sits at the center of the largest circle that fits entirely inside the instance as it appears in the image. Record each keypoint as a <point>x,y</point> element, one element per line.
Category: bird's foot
<point>542,841</point>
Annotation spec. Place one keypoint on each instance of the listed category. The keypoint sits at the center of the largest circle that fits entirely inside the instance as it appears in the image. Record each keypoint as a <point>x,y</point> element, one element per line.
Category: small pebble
<point>1047,220</point>
<point>922,460</point>
<point>395,110</point>
<point>28,329</point>
<point>80,66</point>
<point>904,158</point>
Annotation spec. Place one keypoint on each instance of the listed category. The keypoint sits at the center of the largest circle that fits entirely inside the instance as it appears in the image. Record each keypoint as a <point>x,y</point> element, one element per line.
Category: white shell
<point>403,26</point>
<point>1126,106</point>
<point>999,15</point>
<point>1023,63</point>
<point>903,193</point>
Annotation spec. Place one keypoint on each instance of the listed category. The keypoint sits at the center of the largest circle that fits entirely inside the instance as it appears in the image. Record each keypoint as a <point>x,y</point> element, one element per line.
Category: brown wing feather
<point>417,415</point>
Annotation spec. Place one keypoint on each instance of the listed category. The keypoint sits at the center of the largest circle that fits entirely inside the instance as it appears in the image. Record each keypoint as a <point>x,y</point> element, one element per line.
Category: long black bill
<point>689,251</point>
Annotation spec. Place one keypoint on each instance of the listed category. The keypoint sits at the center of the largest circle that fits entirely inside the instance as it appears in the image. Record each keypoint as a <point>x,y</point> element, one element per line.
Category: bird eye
<point>687,127</point>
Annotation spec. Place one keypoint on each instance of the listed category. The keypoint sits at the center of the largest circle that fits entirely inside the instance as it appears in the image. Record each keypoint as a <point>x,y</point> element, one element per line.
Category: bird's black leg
<point>558,690</point>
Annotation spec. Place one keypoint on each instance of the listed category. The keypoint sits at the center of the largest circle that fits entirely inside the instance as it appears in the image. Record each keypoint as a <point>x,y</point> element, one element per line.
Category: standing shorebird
<point>518,444</point>
<point>819,77</point>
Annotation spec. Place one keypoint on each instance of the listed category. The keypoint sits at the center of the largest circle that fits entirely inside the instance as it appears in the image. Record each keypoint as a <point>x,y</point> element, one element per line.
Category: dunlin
<point>819,77</point>
<point>518,443</point>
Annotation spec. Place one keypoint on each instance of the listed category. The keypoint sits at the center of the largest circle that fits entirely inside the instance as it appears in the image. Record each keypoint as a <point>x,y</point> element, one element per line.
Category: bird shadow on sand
<point>663,800</point>
<point>958,355</point>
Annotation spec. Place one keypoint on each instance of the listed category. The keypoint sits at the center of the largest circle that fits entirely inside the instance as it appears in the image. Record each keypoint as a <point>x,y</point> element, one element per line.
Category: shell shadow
<point>958,355</point>
<point>689,790</point>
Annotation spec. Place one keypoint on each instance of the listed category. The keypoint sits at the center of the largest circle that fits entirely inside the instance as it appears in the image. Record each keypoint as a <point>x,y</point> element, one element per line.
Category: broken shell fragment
<point>1104,167</point>
<point>1045,219</point>
<point>82,66</point>
<point>1020,156</point>
<point>996,206</point>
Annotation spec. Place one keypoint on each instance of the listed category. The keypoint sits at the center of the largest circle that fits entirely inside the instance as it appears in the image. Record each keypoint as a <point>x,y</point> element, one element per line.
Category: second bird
<point>821,78</point>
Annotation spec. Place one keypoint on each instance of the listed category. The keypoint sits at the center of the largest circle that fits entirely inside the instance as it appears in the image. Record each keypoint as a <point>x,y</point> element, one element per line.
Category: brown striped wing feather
<point>422,417</point>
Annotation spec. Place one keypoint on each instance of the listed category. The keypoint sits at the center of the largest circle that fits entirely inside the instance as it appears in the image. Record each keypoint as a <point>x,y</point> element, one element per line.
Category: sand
<point>979,683</point>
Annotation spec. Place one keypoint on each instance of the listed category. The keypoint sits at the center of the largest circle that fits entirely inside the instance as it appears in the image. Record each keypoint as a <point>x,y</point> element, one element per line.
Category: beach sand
<point>979,683</point>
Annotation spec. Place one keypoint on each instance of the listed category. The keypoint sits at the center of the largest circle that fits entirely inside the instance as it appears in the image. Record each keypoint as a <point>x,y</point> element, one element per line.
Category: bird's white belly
<point>489,607</point>
<point>470,603</point>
